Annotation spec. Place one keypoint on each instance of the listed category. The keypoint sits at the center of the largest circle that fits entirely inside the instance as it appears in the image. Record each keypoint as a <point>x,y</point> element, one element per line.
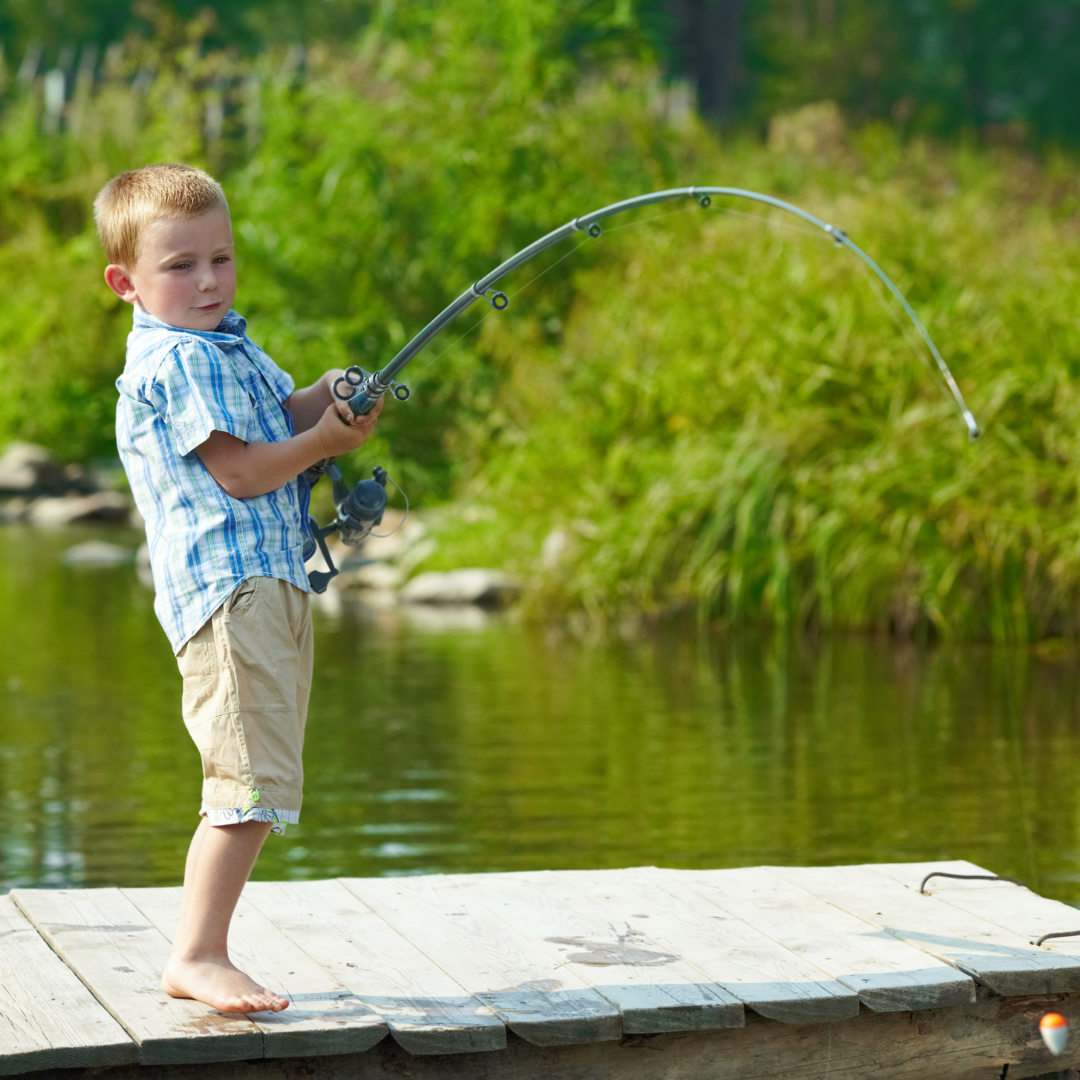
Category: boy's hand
<point>341,405</point>
<point>341,430</point>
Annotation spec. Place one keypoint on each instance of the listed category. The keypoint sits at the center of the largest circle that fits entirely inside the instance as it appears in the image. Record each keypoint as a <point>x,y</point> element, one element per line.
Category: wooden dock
<point>639,974</point>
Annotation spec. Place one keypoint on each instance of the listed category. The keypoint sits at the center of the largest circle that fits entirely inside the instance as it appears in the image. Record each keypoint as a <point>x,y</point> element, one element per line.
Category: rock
<point>108,506</point>
<point>13,510</point>
<point>393,541</point>
<point>446,617</point>
<point>26,469</point>
<point>98,553</point>
<point>379,576</point>
<point>487,588</point>
<point>329,602</point>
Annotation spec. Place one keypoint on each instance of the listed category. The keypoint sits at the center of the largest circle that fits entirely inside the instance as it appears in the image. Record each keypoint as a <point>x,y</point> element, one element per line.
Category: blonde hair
<point>128,203</point>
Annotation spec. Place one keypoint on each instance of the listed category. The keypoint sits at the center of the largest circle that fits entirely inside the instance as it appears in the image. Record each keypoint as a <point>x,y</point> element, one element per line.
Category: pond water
<point>471,744</point>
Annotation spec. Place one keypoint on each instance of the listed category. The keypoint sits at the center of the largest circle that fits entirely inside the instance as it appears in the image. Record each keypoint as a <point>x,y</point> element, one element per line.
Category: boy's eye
<point>222,259</point>
<point>180,266</point>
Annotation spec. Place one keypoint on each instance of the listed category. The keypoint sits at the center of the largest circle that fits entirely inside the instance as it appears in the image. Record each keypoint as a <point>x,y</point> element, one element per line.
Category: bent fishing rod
<point>360,510</point>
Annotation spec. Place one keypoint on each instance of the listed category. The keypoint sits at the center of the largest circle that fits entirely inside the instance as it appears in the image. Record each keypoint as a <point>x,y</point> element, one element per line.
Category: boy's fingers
<point>354,419</point>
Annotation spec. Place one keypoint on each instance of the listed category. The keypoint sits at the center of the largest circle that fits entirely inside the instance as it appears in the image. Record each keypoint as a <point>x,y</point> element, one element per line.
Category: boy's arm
<point>244,470</point>
<point>308,404</point>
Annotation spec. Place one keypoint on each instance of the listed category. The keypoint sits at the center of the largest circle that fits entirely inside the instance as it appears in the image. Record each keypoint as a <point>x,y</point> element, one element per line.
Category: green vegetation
<point>712,410</point>
<point>936,67</point>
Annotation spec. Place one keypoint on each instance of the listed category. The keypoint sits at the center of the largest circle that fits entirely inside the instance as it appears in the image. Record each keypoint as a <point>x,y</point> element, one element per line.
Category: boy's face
<point>185,274</point>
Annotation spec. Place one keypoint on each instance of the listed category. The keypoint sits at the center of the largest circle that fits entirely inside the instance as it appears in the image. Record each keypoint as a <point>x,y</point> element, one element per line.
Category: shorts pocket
<point>198,657</point>
<point>242,596</point>
<point>198,663</point>
<point>222,751</point>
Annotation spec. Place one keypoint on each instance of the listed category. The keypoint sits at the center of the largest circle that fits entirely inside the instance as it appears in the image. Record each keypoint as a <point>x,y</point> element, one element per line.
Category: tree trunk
<point>708,43</point>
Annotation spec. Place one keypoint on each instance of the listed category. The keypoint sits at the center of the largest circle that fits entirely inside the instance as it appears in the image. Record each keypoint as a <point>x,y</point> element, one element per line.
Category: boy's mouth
<point>209,307</point>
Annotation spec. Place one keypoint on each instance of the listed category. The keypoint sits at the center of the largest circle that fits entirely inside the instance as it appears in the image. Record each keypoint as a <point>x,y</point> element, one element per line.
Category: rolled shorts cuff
<point>237,815</point>
<point>228,794</point>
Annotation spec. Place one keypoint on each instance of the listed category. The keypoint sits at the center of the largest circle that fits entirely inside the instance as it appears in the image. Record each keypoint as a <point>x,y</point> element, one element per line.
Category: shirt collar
<point>230,331</point>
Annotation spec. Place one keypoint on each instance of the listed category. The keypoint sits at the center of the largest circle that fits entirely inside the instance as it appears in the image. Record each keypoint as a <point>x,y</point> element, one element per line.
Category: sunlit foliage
<point>707,410</point>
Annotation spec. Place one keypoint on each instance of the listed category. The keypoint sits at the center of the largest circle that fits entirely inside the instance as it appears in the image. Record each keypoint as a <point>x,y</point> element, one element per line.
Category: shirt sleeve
<point>197,392</point>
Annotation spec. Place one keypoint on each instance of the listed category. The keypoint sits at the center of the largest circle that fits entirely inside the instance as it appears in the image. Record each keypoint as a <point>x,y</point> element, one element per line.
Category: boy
<point>214,439</point>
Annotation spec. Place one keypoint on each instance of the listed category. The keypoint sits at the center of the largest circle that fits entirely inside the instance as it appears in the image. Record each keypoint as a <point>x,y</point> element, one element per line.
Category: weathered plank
<point>426,1010</point>
<point>653,989</point>
<point>323,1016</point>
<point>1010,906</point>
<point>960,1043</point>
<point>48,1019</point>
<point>119,956</point>
<point>888,975</point>
<point>529,991</point>
<point>764,975</point>
<point>1000,959</point>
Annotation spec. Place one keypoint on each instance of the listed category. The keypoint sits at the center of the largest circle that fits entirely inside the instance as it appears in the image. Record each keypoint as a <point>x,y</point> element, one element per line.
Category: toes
<point>265,1002</point>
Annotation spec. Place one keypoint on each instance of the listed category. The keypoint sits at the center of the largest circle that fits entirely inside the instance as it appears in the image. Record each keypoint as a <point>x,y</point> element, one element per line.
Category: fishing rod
<point>360,510</point>
<point>363,390</point>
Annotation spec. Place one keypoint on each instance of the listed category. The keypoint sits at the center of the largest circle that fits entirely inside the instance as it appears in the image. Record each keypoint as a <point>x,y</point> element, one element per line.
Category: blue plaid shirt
<point>177,387</point>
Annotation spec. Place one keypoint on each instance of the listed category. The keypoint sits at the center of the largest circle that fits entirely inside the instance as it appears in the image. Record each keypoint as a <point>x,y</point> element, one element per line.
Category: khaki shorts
<point>247,678</point>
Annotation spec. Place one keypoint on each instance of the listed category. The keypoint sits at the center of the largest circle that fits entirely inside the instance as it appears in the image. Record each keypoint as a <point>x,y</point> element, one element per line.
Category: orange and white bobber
<point>1055,1032</point>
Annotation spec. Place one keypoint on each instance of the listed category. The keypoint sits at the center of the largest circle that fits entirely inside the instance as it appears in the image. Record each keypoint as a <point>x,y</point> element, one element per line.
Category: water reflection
<point>472,745</point>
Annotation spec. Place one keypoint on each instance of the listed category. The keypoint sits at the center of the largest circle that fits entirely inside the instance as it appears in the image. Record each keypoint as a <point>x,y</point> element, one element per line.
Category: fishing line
<point>581,243</point>
<point>366,389</point>
<point>454,342</point>
<point>361,508</point>
<point>645,221</point>
<point>1012,721</point>
<point>383,536</point>
<point>906,330</point>
<point>567,255</point>
<point>778,223</point>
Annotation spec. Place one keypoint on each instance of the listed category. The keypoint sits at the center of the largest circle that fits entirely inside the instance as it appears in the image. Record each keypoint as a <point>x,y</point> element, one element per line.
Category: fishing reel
<point>359,510</point>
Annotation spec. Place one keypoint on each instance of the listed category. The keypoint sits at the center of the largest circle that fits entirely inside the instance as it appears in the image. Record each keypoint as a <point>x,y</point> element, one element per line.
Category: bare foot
<point>218,983</point>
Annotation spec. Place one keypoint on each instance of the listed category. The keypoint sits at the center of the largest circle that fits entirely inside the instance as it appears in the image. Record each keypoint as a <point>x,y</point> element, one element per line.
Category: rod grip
<point>365,398</point>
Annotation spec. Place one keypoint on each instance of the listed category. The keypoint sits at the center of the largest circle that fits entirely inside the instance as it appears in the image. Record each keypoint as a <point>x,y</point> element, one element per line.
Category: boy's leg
<point>219,863</point>
<point>246,674</point>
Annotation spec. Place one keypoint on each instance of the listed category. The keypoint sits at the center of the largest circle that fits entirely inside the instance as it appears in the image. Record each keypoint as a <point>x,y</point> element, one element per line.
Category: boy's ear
<point>117,278</point>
